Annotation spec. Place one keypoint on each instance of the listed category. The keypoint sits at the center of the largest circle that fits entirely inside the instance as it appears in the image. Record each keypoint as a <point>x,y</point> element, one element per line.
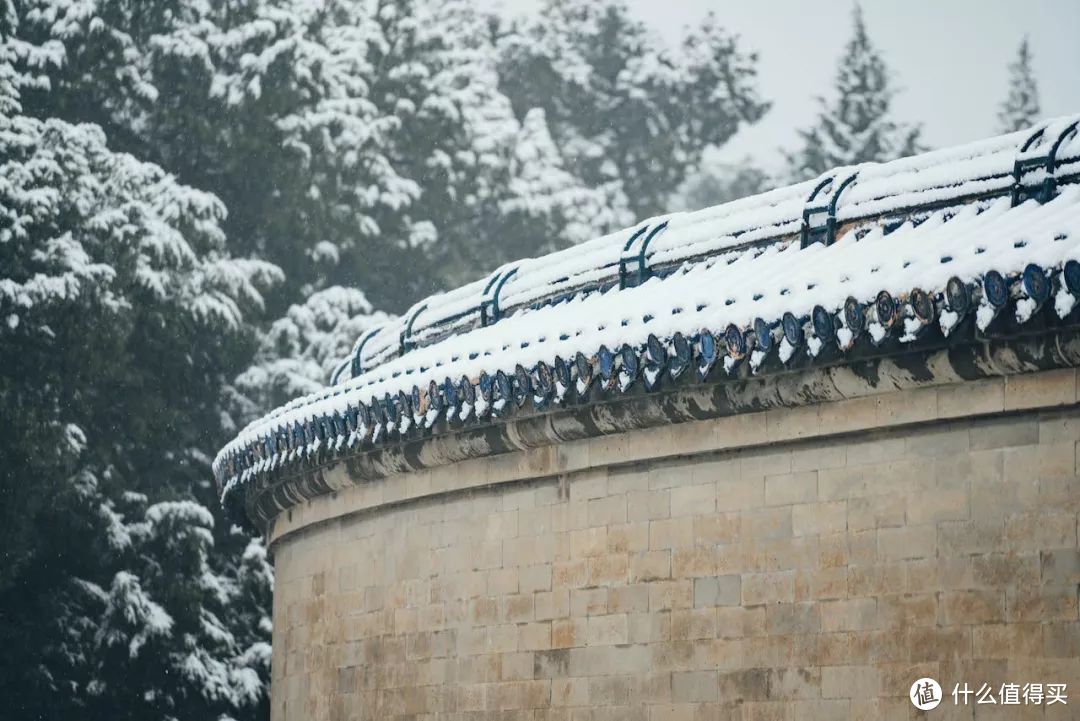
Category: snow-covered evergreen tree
<point>300,351</point>
<point>1021,107</point>
<point>123,315</point>
<point>350,140</point>
<point>162,647</point>
<point>630,117</point>
<point>856,125</point>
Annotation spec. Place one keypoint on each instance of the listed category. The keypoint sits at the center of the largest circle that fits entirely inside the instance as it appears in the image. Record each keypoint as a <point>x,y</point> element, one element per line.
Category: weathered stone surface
<point>805,566</point>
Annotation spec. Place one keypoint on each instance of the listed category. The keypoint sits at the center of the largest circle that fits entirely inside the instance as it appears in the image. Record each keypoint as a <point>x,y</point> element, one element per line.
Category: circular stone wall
<point>802,563</point>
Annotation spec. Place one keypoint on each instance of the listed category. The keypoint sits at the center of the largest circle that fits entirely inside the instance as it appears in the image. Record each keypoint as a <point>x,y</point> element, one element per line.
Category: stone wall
<point>806,563</point>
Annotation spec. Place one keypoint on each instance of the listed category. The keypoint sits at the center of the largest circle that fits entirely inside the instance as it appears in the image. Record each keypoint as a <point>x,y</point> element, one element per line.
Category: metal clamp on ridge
<point>355,364</point>
<point>1045,190</point>
<point>639,256</point>
<point>489,302</point>
<point>405,341</point>
<point>826,232</point>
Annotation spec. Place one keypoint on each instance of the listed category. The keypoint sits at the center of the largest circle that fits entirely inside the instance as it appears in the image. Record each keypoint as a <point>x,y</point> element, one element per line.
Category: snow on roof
<point>879,253</point>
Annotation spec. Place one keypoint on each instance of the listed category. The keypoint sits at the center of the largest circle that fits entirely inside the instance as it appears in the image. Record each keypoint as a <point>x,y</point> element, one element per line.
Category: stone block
<point>853,614</point>
<point>650,566</point>
<point>744,685</point>
<point>697,500</point>
<point>569,692</point>
<point>908,407</point>
<point>938,504</point>
<point>655,688</point>
<point>568,632</point>
<point>517,608</point>
<point>551,604</point>
<point>785,619</point>
<point>938,440</point>
<point>1060,566</point>
<point>648,505</point>
<point>970,537</point>
<point>771,587</point>
<point>1061,640</point>
<point>607,630</point>
<point>671,533</point>
<point>1039,531</point>
<point>588,601</point>
<point>588,542</point>
<point>693,624</point>
<point>587,485</point>
<point>534,636</point>
<point>739,621</point>
<point>649,627</point>
<point>673,712</point>
<point>736,494</point>
<point>998,570</point>
<point>1041,603</point>
<point>972,398</point>
<point>608,570</point>
<point>668,595</point>
<point>1007,641</point>
<point>608,691</point>
<point>1036,390</point>
<point>694,686</point>
<point>872,512</point>
<point>717,591</point>
<point>607,511</point>
<point>628,537</point>
<point>534,578</point>
<point>795,683</point>
<point>897,611</point>
<point>822,710</point>
<point>569,574</point>
<point>877,579</point>
<point>907,542</point>
<point>973,607</point>
<point>788,488</point>
<point>817,455</point>
<point>818,518</point>
<point>854,682</point>
<point>1054,461</point>
<point>629,599</point>
<point>765,523</point>
<point>1005,432</point>
<point>716,529</point>
<point>851,481</point>
<point>820,583</point>
<point>502,581</point>
<point>693,562</point>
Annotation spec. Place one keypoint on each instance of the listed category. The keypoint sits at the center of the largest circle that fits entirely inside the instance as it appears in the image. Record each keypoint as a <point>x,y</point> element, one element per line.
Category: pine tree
<point>350,140</point>
<point>1021,108</point>
<point>300,351</point>
<point>630,118</point>
<point>123,315</point>
<point>856,126</point>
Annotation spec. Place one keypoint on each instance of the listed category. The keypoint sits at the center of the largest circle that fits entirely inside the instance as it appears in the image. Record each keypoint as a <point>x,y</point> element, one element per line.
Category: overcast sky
<point>948,57</point>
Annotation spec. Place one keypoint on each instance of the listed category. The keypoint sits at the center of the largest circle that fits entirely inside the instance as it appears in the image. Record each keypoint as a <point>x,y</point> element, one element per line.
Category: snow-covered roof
<point>960,239</point>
